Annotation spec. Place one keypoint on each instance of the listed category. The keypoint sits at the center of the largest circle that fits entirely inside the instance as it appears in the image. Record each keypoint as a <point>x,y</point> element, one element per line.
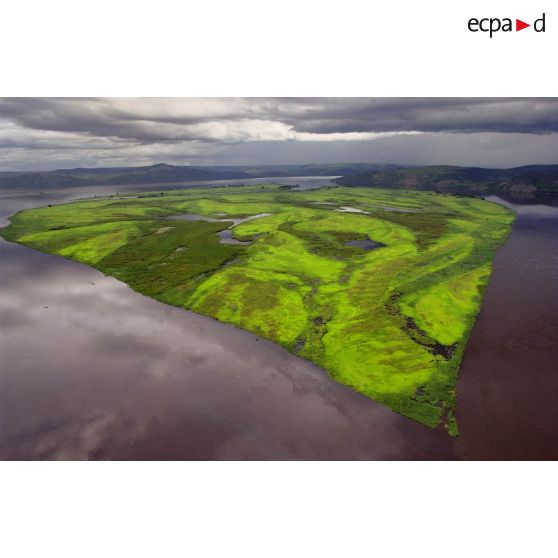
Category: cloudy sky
<point>40,133</point>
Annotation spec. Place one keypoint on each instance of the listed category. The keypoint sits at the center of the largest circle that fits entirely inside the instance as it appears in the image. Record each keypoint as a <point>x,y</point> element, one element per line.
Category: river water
<point>90,369</point>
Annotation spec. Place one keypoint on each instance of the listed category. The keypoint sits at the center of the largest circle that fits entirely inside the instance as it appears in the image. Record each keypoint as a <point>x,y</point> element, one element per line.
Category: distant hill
<point>529,184</point>
<point>164,174</point>
<point>534,183</point>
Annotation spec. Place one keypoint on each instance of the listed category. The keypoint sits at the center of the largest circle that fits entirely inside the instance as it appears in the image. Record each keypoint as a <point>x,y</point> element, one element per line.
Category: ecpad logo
<point>493,25</point>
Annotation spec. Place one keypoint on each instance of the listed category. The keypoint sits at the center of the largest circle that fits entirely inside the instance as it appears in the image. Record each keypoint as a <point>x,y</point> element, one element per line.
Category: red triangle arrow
<point>519,25</point>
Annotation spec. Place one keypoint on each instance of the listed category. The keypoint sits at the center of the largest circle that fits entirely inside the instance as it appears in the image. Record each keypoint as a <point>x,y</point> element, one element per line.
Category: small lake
<point>366,245</point>
<point>92,370</point>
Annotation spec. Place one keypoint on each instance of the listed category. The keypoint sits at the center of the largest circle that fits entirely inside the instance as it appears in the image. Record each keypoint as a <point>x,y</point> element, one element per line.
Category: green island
<point>380,288</point>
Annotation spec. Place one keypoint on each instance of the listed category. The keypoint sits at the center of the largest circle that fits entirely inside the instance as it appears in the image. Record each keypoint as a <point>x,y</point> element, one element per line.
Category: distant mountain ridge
<point>531,183</point>
<point>163,174</point>
<point>527,184</point>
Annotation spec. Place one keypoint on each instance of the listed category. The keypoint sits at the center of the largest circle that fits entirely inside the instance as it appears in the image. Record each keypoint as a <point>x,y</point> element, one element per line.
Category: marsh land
<point>378,288</point>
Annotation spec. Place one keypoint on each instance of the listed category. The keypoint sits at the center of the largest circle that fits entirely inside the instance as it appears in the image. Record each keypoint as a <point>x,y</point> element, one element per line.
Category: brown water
<point>91,370</point>
<point>508,387</point>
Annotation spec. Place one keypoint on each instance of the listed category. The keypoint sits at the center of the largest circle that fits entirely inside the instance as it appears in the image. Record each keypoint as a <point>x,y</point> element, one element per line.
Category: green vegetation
<point>391,322</point>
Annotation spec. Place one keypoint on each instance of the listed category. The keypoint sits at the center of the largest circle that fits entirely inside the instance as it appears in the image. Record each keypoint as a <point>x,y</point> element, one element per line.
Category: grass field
<point>391,322</point>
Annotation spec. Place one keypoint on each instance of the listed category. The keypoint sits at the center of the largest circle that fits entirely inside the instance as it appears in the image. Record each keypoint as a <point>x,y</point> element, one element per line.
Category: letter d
<point>539,21</point>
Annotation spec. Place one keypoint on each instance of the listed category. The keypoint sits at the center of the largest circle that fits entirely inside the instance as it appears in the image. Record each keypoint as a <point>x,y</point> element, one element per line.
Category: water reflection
<point>93,370</point>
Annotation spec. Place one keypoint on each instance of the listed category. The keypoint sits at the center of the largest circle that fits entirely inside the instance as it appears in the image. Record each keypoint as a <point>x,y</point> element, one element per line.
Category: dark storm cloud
<point>507,115</point>
<point>116,131</point>
<point>149,120</point>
